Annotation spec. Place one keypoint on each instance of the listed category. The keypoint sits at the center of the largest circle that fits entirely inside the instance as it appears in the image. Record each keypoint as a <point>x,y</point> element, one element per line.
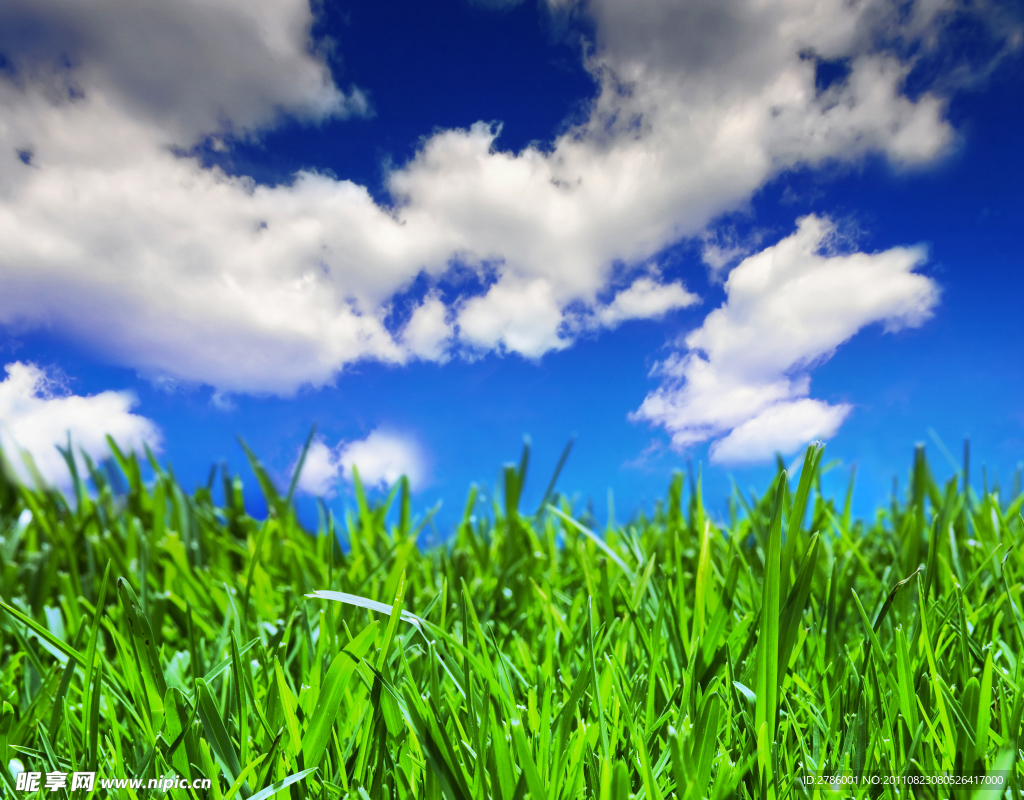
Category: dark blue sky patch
<point>404,303</point>
<point>447,65</point>
<point>828,73</point>
<point>967,51</point>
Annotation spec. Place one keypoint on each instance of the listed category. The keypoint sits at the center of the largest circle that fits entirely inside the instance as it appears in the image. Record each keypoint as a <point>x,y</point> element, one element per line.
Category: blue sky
<point>702,231</point>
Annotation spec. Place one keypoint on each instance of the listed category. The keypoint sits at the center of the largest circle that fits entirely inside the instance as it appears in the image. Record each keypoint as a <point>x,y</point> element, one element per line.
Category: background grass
<point>146,631</point>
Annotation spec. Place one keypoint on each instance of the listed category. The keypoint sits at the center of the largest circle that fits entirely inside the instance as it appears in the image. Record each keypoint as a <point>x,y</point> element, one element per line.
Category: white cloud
<point>645,299</point>
<point>192,68</point>
<point>35,416</point>
<point>780,428</point>
<point>744,371</point>
<point>725,247</point>
<point>320,470</point>
<point>381,458</point>
<point>523,316</point>
<point>428,334</point>
<point>112,237</point>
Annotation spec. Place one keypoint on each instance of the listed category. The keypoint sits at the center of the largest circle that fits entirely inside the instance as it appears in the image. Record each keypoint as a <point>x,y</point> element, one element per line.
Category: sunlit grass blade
<point>332,691</point>
<point>812,459</point>
<point>273,789</point>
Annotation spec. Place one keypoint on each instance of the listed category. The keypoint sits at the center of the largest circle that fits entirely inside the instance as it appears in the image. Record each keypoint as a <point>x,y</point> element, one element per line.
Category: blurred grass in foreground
<point>149,632</point>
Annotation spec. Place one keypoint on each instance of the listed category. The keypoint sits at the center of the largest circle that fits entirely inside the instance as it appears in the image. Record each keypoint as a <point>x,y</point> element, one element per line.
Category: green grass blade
<point>297,473</point>
<point>329,703</point>
<point>793,611</point>
<point>217,734</point>
<point>240,780</point>
<point>767,671</point>
<point>273,789</point>
<point>812,458</point>
<point>554,477</point>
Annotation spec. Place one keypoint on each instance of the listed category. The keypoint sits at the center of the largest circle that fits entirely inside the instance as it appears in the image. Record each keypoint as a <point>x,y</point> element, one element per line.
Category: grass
<point>146,631</point>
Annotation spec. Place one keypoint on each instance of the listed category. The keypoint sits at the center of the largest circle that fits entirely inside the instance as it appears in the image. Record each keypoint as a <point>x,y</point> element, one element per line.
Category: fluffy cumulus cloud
<point>320,471</point>
<point>743,374</point>
<point>428,333</point>
<point>381,459</point>
<point>115,235</point>
<point>37,416</point>
<point>645,299</point>
<point>194,68</point>
<point>780,428</point>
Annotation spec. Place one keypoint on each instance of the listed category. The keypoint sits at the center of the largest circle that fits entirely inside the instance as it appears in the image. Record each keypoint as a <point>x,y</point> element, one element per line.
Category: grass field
<point>148,632</point>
